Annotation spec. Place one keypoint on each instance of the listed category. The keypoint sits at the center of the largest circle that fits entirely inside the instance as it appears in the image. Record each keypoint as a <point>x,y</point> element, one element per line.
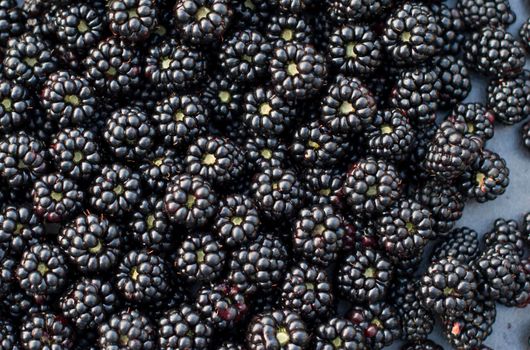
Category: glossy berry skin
<point>80,26</point>
<point>223,306</point>
<point>128,329</point>
<point>341,332</point>
<point>15,106</point>
<point>237,220</point>
<point>41,329</point>
<point>183,328</point>
<point>20,228</point>
<point>132,20</point>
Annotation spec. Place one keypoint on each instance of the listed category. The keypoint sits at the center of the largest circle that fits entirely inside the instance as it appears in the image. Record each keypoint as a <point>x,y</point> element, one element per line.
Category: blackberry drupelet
<point>508,98</point>
<point>455,80</point>
<point>12,21</point>
<point>221,305</point>
<point>80,26</point>
<point>127,329</point>
<point>503,232</point>
<point>8,332</point>
<point>132,20</point>
<point>237,220</point>
<point>482,13</point>
<point>422,345</point>
<point>88,302</point>
<point>277,329</point>
<point>453,33</point>
<point>284,28</point>
<point>190,201</point>
<point>46,331</point>
<point>158,167</point>
<point>16,103</point>
<point>223,98</point>
<point>322,186</point>
<point>461,244</point>
<point>353,11</point>
<point>20,228</point>
<point>183,328</point>
<point>479,119</point>
<point>379,322</point>
<point>92,243</point>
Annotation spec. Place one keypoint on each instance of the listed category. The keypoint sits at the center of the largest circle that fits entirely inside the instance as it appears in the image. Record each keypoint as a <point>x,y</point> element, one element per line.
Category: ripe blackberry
<point>371,186</point>
<point>88,302</point>
<point>113,67</point>
<point>132,20</point>
<point>481,13</point>
<point>221,305</point>
<point>180,119</point>
<point>115,191</point>
<point>278,329</point>
<point>298,71</point>
<point>20,228</point>
<point>223,98</point>
<point>479,119</point>
<point>284,28</point>
<point>128,329</point>
<point>504,232</point>
<point>422,345</point>
<point>277,193</point>
<point>190,201</point>
<point>339,333</point>
<point>453,31</point>
<point>18,305</point>
<point>8,278</point>
<point>259,265</point>
<point>42,271</point>
<point>355,50</point>
<point>80,26</point>
<point>200,257</point>
<point>526,226</point>
<point>455,80</point>
<point>28,60</point>
<point>8,333</point>
<point>183,328</point>
<point>158,167</point>
<point>353,11</point>
<point>417,93</point>
<point>487,178</point>
<point>448,287</point>
<point>265,152</point>
<point>494,52</point>
<point>237,220</point>
<point>411,34</point>
<point>15,105</point>
<point>202,22</point>
<point>415,167</point>
<point>318,234</point>
<point>295,6</point>
<point>379,322</point>
<point>68,99</point>
<point>91,242</point>
<point>150,226</point>
<point>56,198</point>
<point>524,33</point>
<point>323,186</point>
<point>171,66</point>
<point>508,98</point>
<point>251,14</point>
<point>12,21</point>
<point>461,244</point>
<point>46,331</point>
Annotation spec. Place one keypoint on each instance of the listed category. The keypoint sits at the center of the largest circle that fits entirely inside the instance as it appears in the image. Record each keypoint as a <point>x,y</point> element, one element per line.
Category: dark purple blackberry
<point>202,22</point>
<point>80,26</point>
<point>524,33</point>
<point>379,322</point>
<point>277,193</point>
<point>295,6</point>
<point>422,345</point>
<point>18,305</point>
<point>504,232</point>
<point>455,80</point>
<point>284,28</point>
<point>15,105</point>
<point>318,234</point>
<point>12,20</point>
<point>42,271</point>
<point>481,13</point>
<point>278,329</point>
<point>183,328</point>
<point>339,333</point>
<point>158,167</point>
<point>20,228</point>
<point>252,13</point>
<point>113,67</point>
<point>132,20</point>
<point>8,278</point>
<point>223,98</point>
<point>221,305</point>
<point>323,186</point>
<point>479,119</point>
<point>200,257</point>
<point>259,265</point>
<point>46,331</point>
<point>88,302</point>
<point>115,191</point>
<point>92,243</point>
<point>8,332</point>
<point>76,153</point>
<point>172,66</point>
<point>415,167</point>
<point>461,244</point>
<point>453,33</point>
<point>508,98</point>
<point>190,201</point>
<point>237,220</point>
<point>127,329</point>
<point>265,152</point>
<point>180,119</point>
<point>353,11</point>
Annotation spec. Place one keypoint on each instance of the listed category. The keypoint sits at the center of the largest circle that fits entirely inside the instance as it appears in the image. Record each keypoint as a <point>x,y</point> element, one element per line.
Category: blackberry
<point>455,80</point>
<point>183,328</point>
<point>113,67</point>
<point>12,21</point>
<point>253,13</point>
<point>8,335</point>
<point>237,220</point>
<point>278,329</point>
<point>180,119</point>
<point>284,28</point>
<point>115,191</point>
<point>68,99</point>
<point>411,34</point>
<point>481,13</point>
<point>296,6</point>
<point>417,93</point>
<point>524,33</point>
<point>487,178</point>
<point>88,302</point>
<point>265,152</point>
<point>390,136</point>
<point>307,291</point>
<point>505,232</point>
<point>8,266</point>
<point>17,304</point>
<point>202,22</point>
<point>355,50</point>
<point>461,244</point>
<point>245,56</point>
<point>28,60</point>
<point>379,322</point>
<point>415,167</point>
<point>453,29</point>
<point>371,186</point>
<point>20,228</point>
<point>422,345</point>
<point>298,71</point>
<point>92,243</point>
<point>221,305</point>
<point>46,331</point>
<point>353,11</point>
<point>526,226</point>
<point>80,26</point>
<point>494,52</point>
<point>200,257</point>
<point>259,265</point>
<point>360,234</point>
<point>190,201</point>
<point>448,287</point>
<point>223,98</point>
<point>158,167</point>
<point>277,193</point>
<point>15,106</point>
<point>339,333</point>
<point>348,107</point>
<point>56,198</point>
<point>128,329</point>
<point>508,98</point>
<point>42,271</point>
<point>323,186</point>
<point>142,277</point>
<point>318,234</point>
<point>132,20</point>
<point>150,226</point>
<point>479,119</point>
<point>171,66</point>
